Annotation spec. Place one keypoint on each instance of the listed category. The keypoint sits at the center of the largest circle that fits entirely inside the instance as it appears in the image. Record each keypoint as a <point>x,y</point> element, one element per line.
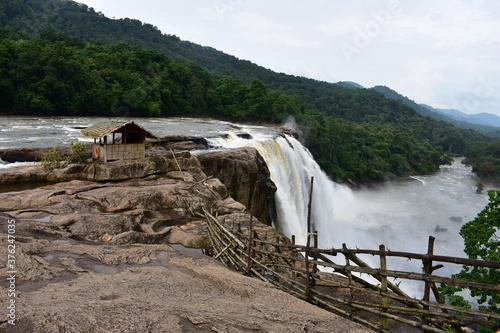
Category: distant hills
<point>81,21</point>
<point>483,122</point>
<point>483,118</point>
<point>62,57</point>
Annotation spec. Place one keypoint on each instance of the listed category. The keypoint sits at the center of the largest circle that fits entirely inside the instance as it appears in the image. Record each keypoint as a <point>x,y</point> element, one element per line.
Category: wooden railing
<point>310,274</point>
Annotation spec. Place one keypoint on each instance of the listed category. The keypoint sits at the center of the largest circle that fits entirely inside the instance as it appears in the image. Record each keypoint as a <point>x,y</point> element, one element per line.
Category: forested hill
<point>428,111</point>
<point>79,20</point>
<point>352,133</point>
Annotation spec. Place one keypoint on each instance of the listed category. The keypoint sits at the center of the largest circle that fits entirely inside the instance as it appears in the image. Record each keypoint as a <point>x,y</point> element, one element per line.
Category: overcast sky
<point>445,53</point>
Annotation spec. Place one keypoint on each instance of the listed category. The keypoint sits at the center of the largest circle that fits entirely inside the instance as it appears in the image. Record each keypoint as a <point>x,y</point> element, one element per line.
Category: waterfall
<point>401,214</point>
<point>291,167</point>
<point>336,213</point>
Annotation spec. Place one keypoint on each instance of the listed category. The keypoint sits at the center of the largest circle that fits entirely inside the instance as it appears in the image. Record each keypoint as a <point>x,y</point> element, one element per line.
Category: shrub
<point>78,153</point>
<point>53,159</point>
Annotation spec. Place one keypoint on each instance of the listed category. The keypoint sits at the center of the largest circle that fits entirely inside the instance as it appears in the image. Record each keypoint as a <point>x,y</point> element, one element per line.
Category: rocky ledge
<point>94,251</point>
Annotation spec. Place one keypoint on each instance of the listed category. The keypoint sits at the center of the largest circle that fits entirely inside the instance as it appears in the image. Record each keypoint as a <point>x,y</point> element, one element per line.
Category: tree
<point>482,241</point>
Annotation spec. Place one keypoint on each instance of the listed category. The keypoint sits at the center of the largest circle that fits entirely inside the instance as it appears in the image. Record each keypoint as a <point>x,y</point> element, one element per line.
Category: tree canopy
<point>86,63</point>
<point>481,241</point>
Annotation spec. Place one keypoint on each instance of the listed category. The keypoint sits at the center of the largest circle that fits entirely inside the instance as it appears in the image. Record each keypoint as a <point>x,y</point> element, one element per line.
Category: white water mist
<point>291,167</point>
<point>401,215</point>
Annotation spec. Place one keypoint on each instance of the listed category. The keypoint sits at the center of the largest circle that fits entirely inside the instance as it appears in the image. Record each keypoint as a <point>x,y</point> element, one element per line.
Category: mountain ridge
<point>352,132</point>
<point>88,24</point>
<point>457,118</point>
<point>482,118</point>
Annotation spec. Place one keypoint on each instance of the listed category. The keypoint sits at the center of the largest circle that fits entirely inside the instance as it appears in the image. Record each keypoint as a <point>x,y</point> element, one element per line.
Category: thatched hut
<point>118,140</point>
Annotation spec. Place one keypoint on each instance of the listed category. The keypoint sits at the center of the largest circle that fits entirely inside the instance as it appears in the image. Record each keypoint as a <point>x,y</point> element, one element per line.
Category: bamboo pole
<point>428,271</point>
<point>175,159</point>
<point>383,281</point>
<point>443,307</point>
<point>410,255</point>
<point>315,260</point>
<point>233,251</point>
<point>250,231</point>
<point>411,276</point>
<point>375,273</point>
<point>349,276</point>
<point>346,314</point>
<point>308,242</point>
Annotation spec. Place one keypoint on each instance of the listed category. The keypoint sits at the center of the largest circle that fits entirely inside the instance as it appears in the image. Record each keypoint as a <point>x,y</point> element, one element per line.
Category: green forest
<point>63,58</point>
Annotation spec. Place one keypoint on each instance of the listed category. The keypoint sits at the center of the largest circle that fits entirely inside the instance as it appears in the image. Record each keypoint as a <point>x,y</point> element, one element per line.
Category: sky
<point>444,53</point>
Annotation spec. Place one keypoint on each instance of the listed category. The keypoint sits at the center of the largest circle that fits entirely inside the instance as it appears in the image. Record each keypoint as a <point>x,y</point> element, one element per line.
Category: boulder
<point>177,143</point>
<point>25,175</point>
<point>151,165</point>
<point>23,154</point>
<point>145,210</point>
<point>244,171</point>
<point>12,155</point>
<point>110,171</point>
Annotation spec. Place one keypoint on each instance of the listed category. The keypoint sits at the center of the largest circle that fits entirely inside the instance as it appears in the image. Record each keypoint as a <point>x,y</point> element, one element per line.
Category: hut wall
<point>129,151</point>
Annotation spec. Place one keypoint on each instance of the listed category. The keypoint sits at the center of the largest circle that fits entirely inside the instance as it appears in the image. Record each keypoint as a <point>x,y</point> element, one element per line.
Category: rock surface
<point>23,154</point>
<point>182,143</point>
<point>110,171</point>
<point>240,170</point>
<point>95,257</point>
<point>139,211</point>
<point>73,287</point>
<point>244,172</point>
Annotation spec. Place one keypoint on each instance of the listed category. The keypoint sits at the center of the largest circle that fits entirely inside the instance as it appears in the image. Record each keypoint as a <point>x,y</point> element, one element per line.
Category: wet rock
<point>23,154</point>
<point>66,287</point>
<point>241,170</point>
<point>111,171</point>
<point>12,155</point>
<point>177,143</point>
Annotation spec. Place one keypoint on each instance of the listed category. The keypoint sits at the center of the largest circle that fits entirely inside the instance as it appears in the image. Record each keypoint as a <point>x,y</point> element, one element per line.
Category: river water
<point>42,132</point>
<point>400,214</point>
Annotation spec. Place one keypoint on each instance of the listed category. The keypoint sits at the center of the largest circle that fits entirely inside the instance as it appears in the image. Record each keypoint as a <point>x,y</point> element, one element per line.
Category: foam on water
<point>401,215</point>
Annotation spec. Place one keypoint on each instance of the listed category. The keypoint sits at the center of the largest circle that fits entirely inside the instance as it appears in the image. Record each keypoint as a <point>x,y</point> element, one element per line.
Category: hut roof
<point>105,128</point>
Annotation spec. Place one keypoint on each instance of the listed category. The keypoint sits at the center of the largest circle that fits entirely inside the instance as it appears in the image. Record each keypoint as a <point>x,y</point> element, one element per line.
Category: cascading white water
<point>291,167</point>
<point>401,215</point>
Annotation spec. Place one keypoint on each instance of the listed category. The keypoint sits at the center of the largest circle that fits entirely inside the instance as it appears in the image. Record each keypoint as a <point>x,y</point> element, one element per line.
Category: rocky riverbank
<point>93,250</point>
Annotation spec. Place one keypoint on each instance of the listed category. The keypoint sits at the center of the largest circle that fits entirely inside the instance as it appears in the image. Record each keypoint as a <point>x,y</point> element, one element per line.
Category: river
<point>400,214</point>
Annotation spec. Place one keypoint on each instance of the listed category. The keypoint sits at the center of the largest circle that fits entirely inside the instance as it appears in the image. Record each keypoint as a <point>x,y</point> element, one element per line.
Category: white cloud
<point>432,51</point>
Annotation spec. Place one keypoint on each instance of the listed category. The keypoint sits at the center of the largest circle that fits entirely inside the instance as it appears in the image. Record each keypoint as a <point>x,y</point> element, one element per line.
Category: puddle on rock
<point>45,218</point>
<point>179,247</point>
<point>104,269</point>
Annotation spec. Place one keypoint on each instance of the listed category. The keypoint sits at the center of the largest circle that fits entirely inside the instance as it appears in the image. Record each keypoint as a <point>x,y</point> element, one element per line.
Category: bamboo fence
<point>309,273</point>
